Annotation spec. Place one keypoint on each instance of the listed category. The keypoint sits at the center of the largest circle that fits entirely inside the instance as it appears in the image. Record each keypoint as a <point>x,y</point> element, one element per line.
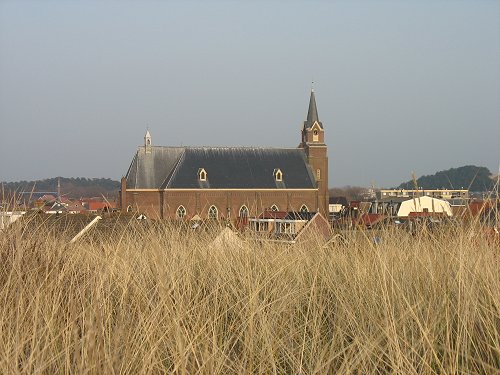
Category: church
<point>229,182</point>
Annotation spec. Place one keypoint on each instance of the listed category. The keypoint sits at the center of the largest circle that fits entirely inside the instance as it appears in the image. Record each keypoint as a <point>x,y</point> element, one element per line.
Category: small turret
<point>147,141</point>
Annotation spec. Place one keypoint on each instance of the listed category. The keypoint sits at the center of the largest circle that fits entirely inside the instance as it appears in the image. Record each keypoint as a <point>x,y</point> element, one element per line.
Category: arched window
<point>243,211</point>
<point>304,209</point>
<point>213,213</point>
<point>278,175</point>
<point>274,208</point>
<point>202,174</point>
<point>315,135</point>
<point>129,208</point>
<point>181,212</point>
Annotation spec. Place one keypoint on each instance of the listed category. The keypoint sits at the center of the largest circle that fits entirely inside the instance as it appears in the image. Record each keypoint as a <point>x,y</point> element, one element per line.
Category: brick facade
<point>163,204</point>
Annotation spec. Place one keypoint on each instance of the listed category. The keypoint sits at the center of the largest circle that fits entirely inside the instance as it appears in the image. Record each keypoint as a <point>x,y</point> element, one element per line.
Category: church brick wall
<point>164,204</point>
<point>146,202</point>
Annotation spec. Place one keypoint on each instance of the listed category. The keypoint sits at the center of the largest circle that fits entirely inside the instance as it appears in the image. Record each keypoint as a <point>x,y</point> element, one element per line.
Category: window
<point>315,135</point>
<point>304,209</point>
<point>243,211</point>
<point>278,175</point>
<point>202,174</point>
<point>181,212</point>
<point>129,208</point>
<point>260,226</point>
<point>263,227</point>
<point>274,208</point>
<point>213,213</point>
<point>318,174</point>
<point>286,228</point>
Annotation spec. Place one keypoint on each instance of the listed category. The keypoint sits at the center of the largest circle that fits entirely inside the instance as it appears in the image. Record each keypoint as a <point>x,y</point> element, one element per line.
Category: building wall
<point>164,204</point>
<point>318,160</point>
<point>435,193</point>
<point>144,201</point>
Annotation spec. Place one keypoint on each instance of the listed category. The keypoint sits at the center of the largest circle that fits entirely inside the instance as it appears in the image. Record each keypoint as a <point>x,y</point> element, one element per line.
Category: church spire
<point>312,113</point>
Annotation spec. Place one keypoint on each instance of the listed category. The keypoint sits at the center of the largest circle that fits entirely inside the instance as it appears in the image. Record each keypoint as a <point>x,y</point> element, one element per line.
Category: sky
<point>401,86</point>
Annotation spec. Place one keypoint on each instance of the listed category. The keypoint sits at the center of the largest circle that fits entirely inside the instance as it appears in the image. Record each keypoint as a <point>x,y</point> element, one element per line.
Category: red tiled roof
<point>370,219</point>
<point>95,205</point>
<point>47,197</point>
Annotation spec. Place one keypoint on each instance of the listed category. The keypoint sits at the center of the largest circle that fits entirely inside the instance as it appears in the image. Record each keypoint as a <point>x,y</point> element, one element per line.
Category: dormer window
<point>278,175</point>
<point>315,135</point>
<point>202,174</point>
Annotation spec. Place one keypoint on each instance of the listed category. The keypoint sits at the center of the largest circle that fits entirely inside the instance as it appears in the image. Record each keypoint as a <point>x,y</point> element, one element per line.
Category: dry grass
<point>161,299</point>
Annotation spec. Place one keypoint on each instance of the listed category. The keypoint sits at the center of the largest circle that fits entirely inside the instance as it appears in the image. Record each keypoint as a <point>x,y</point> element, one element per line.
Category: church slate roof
<point>226,167</point>
<point>148,170</point>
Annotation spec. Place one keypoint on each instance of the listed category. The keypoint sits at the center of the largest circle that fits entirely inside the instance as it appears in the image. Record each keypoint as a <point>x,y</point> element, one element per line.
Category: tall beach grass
<point>157,298</point>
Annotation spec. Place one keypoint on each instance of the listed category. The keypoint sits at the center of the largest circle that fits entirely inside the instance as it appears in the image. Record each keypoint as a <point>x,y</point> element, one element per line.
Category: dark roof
<point>226,167</point>
<point>312,113</point>
<point>273,215</point>
<point>338,200</point>
<point>394,199</point>
<point>293,215</point>
<point>57,206</point>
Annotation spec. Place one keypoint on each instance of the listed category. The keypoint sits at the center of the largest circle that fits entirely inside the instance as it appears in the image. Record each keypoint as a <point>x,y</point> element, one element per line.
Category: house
<point>75,207</point>
<point>95,206</point>
<point>291,227</point>
<point>231,183</point>
<point>56,208</point>
<point>337,204</point>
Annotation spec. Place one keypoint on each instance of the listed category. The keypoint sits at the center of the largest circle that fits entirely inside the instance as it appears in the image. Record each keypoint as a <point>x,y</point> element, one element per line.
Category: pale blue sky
<point>401,86</point>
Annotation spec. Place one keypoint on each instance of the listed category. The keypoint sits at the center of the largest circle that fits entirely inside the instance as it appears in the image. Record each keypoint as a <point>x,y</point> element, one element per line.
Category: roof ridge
<point>171,175</point>
<point>228,147</point>
<point>131,164</point>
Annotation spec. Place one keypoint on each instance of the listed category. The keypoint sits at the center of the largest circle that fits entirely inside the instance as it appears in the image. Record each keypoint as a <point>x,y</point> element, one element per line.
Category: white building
<point>434,193</point>
<point>424,204</point>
